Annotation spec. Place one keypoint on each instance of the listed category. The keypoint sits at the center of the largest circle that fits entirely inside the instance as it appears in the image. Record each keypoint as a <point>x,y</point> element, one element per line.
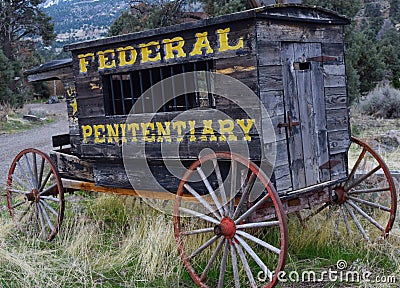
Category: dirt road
<point>38,137</point>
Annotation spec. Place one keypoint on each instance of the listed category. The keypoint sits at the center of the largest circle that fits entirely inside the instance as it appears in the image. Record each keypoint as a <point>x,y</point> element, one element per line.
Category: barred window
<point>122,91</point>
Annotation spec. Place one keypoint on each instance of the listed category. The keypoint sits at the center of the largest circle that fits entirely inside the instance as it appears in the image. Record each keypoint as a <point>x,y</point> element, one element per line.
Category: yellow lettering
<point>123,133</point>
<point>175,44</point>
<point>208,130</point>
<point>246,128</point>
<point>147,52</point>
<point>83,63</point>
<point>97,134</point>
<point>87,132</point>
<point>226,127</point>
<point>122,56</point>
<point>146,132</point>
<point>201,42</point>
<point>106,61</point>
<point>192,125</point>
<point>112,133</point>
<point>163,132</point>
<point>133,127</point>
<point>178,125</point>
<point>224,42</point>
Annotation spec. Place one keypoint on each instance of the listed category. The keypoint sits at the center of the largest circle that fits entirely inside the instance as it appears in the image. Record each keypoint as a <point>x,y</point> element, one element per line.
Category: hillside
<point>77,20</point>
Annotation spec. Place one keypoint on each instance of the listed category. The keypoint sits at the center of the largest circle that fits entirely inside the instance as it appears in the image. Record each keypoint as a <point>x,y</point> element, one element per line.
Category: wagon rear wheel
<point>35,195</point>
<point>220,240</point>
<point>366,203</point>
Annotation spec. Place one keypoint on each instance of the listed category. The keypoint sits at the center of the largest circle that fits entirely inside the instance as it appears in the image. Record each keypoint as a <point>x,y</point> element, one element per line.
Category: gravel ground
<point>38,137</point>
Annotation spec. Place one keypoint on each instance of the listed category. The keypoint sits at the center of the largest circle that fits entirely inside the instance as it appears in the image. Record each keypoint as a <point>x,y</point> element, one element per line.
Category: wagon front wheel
<point>35,196</point>
<point>229,224</point>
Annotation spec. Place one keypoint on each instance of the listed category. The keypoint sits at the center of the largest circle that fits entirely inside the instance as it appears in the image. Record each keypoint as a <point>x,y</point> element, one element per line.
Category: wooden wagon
<point>190,113</point>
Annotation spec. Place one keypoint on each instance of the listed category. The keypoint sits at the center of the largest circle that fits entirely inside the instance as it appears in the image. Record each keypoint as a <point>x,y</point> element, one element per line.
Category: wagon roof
<point>283,12</point>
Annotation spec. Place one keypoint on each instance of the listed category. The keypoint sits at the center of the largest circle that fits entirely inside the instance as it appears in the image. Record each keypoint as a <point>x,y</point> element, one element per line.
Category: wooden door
<point>305,122</point>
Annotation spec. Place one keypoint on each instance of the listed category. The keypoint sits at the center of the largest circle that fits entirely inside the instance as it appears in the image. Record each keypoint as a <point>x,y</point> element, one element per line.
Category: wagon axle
<point>34,195</point>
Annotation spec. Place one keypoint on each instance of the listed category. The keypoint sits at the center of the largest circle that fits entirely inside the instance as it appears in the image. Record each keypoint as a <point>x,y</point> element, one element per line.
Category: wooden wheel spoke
<point>46,216</point>
<point>355,167</point>
<point>258,225</point>
<point>254,255</point>
<point>45,204</point>
<point>35,172</point>
<point>197,231</point>
<point>212,260</point>
<point>358,224</point>
<point>233,187</point>
<point>202,201</point>
<point>33,177</point>
<point>199,215</point>
<point>202,247</point>
<point>221,186</point>
<point>18,204</point>
<point>25,212</point>
<point>45,180</point>
<point>366,216</point>
<point>319,210</point>
<point>245,194</point>
<point>24,175</point>
<point>18,191</point>
<point>210,190</point>
<point>245,265</point>
<point>43,226</point>
<point>223,266</point>
<point>366,191</point>
<point>371,204</point>
<point>48,190</point>
<point>362,178</point>
<point>346,220</point>
<point>252,209</point>
<point>41,172</point>
<point>259,242</point>
<point>21,182</point>
<point>50,198</point>
<point>235,266</point>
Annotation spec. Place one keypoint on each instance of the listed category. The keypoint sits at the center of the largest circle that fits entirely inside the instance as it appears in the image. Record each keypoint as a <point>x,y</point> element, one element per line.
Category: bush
<point>382,102</point>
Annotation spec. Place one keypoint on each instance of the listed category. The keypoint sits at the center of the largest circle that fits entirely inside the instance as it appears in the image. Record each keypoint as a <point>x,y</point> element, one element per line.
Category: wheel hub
<point>226,228</point>
<point>340,195</point>
<point>34,195</point>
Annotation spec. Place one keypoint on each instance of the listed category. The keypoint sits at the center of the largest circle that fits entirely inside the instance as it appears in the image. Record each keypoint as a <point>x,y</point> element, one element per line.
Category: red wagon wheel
<point>35,195</point>
<point>367,201</point>
<point>222,243</point>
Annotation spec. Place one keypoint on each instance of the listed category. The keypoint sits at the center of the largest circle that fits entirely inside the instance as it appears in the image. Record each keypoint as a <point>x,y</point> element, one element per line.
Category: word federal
<point>154,51</point>
<point>175,131</point>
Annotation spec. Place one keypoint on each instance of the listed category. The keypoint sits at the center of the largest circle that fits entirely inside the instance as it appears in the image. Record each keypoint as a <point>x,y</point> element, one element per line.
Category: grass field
<point>115,241</point>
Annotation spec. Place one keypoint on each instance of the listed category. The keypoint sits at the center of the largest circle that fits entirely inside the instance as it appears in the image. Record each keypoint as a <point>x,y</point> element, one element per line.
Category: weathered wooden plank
<point>70,166</point>
<point>339,141</point>
<point>269,53</point>
<point>298,33</point>
<point>273,102</point>
<point>334,81</point>
<point>336,98</point>
<point>339,170</point>
<point>337,119</point>
<point>335,50</point>
<point>283,181</point>
<point>270,78</point>
<point>335,70</point>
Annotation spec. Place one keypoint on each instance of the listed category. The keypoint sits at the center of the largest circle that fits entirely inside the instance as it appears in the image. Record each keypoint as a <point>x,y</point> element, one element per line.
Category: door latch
<point>289,124</point>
